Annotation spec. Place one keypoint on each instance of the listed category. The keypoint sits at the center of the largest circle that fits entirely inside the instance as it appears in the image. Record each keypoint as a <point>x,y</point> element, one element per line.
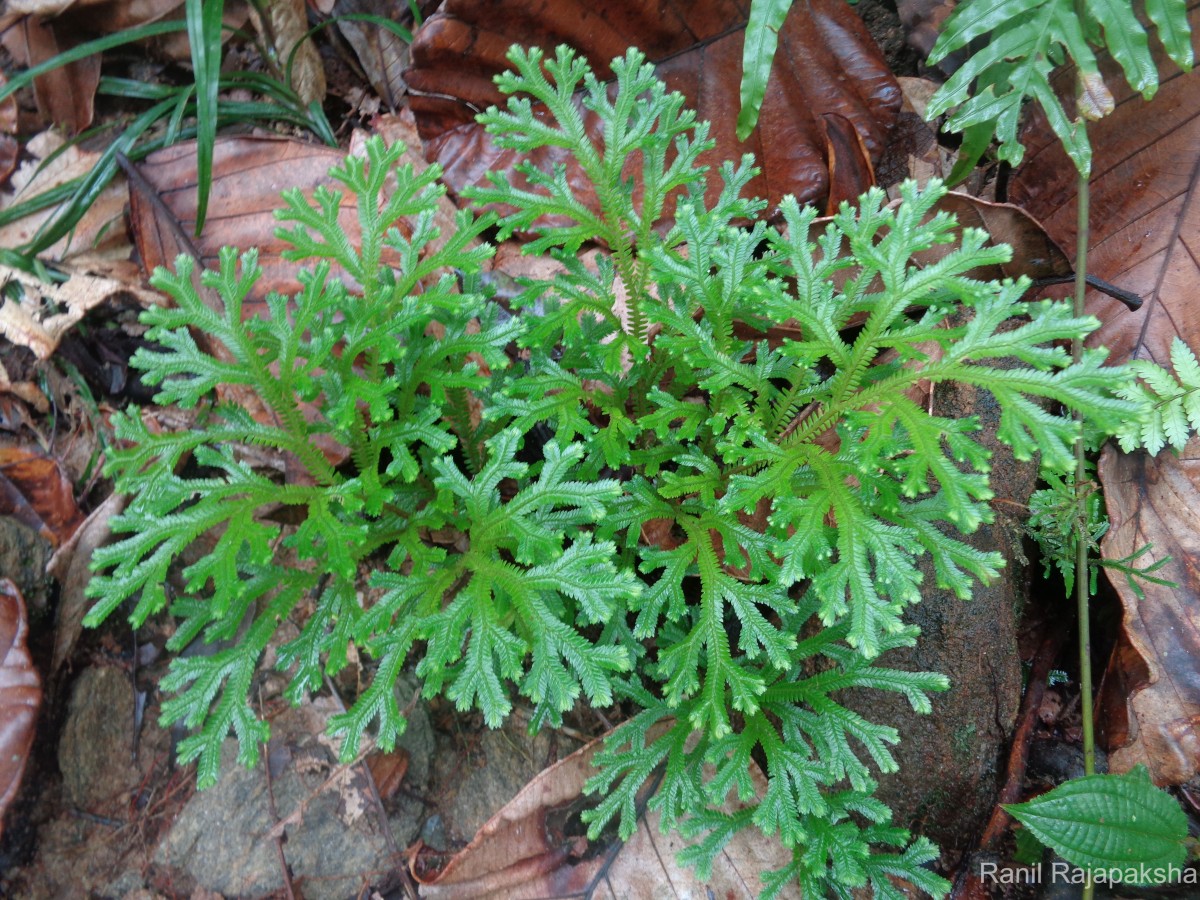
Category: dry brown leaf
<point>65,95</point>
<point>26,391</point>
<point>36,491</point>
<point>535,847</point>
<point>70,566</point>
<point>20,694</point>
<point>102,227</point>
<point>285,24</point>
<point>388,771</point>
<point>1145,231</point>
<point>48,311</point>
<point>383,55</point>
<point>248,175</point>
<point>826,63</point>
<point>8,130</point>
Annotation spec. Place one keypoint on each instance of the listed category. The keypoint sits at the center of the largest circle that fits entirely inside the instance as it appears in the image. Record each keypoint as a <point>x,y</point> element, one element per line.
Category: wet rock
<point>951,761</point>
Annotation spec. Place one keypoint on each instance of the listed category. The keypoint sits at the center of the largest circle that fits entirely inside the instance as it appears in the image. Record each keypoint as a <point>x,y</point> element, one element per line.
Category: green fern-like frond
<point>1168,405</point>
<point>1016,46</point>
<point>380,370</point>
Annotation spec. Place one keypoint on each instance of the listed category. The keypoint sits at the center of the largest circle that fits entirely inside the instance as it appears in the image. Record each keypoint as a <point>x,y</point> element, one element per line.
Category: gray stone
<point>220,839</point>
<point>506,759</point>
<point>95,753</point>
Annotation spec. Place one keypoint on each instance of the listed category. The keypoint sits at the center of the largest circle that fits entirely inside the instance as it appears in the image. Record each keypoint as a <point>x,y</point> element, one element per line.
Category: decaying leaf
<point>20,694</point>
<point>70,567</point>
<point>383,55</point>
<point>536,847</point>
<point>1035,253</point>
<point>285,24</point>
<point>1145,231</point>
<point>45,312</point>
<point>8,131</point>
<point>66,95</point>
<point>826,63</point>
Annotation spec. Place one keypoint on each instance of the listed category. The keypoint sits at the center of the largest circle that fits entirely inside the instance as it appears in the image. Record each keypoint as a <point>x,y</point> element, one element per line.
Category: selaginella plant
<point>661,503</point>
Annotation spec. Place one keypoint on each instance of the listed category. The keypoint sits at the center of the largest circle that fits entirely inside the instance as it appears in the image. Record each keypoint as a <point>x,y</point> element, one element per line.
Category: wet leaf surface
<point>1145,237</point>
<point>826,64</point>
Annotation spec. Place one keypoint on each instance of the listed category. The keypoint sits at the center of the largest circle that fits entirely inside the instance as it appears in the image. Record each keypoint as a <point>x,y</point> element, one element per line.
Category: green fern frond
<point>1168,405</point>
<point>1016,45</point>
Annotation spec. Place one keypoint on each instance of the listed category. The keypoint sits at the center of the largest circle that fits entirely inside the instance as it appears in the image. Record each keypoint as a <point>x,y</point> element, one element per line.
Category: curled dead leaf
<point>536,847</point>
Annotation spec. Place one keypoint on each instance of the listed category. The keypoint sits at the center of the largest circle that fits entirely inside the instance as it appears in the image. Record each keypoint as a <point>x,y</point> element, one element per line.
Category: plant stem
<point>1081,530</point>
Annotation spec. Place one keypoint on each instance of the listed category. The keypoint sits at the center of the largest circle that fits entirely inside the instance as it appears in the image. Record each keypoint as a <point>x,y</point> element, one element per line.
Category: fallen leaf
<point>285,24</point>
<point>20,694</point>
<point>70,566</point>
<point>1145,230</point>
<point>66,95</point>
<point>383,55</point>
<point>249,173</point>
<point>8,130</point>
<point>26,391</point>
<point>536,847</point>
<point>101,227</point>
<point>388,771</point>
<point>850,166</point>
<point>1035,253</point>
<point>826,63</point>
<point>36,491</point>
<point>46,312</point>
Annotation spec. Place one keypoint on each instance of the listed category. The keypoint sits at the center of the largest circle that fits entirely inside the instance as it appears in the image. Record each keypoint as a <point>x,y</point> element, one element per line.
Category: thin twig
<point>297,815</point>
<point>1131,300</point>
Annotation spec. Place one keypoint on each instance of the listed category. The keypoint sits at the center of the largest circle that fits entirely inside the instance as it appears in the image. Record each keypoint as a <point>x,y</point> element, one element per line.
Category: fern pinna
<point>663,506</point>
